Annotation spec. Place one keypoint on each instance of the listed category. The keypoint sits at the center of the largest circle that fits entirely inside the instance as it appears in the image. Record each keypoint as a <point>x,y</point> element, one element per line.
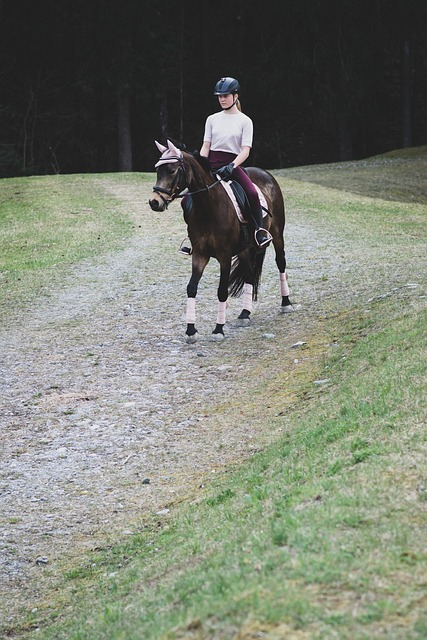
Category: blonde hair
<point>238,105</point>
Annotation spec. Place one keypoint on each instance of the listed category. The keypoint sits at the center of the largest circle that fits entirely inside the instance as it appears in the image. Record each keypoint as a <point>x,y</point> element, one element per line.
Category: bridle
<point>175,190</point>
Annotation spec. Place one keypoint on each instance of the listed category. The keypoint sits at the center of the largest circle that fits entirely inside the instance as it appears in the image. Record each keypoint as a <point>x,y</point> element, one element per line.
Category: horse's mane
<point>202,160</point>
<point>178,145</point>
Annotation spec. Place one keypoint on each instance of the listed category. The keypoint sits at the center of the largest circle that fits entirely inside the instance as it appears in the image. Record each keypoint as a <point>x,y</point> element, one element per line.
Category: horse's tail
<point>246,267</point>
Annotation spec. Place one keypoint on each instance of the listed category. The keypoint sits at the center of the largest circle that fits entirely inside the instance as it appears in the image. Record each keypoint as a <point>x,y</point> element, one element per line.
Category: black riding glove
<point>226,172</point>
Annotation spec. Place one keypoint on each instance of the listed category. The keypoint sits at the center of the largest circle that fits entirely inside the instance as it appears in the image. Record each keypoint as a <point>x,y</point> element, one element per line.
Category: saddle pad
<point>233,199</point>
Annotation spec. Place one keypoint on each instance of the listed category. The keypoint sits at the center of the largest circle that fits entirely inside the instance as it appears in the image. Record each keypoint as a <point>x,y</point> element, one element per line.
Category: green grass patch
<point>368,200</point>
<point>321,535</point>
<point>395,176</point>
<point>48,223</point>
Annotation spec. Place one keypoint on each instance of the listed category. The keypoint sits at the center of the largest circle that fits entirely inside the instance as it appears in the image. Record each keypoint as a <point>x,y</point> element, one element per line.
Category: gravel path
<point>107,415</point>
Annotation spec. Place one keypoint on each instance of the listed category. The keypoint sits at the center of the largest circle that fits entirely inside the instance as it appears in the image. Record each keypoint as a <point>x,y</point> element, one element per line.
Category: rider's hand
<point>226,172</point>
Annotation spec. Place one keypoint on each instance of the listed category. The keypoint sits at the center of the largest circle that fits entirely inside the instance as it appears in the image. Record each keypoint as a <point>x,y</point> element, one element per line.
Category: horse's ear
<point>174,149</point>
<point>160,147</point>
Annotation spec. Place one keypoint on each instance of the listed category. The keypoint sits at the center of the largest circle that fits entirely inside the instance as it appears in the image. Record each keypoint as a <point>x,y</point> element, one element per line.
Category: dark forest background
<point>86,86</point>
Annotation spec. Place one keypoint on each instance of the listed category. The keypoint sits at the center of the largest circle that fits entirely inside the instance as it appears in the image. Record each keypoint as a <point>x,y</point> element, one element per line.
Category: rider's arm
<point>243,155</point>
<point>204,151</point>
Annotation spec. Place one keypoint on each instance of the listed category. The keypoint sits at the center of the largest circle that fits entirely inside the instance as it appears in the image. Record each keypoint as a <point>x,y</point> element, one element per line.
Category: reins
<point>192,193</point>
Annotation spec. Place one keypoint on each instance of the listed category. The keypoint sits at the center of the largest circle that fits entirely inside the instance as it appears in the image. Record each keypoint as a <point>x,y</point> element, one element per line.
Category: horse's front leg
<point>199,264</point>
<point>218,332</point>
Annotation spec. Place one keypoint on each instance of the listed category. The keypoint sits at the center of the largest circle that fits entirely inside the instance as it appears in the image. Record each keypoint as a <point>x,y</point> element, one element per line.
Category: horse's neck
<point>200,177</point>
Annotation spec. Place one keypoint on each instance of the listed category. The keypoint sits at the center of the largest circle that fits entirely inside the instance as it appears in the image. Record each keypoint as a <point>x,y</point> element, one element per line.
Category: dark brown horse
<point>216,232</point>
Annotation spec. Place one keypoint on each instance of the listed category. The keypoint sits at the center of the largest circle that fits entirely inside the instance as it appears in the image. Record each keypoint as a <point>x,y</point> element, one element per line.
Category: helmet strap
<point>231,106</point>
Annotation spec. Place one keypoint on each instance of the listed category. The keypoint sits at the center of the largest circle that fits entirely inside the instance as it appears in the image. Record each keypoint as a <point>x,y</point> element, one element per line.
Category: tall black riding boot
<point>262,236</point>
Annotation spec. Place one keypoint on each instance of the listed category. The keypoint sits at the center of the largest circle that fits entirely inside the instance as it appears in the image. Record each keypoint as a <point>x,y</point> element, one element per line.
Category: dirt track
<point>108,415</point>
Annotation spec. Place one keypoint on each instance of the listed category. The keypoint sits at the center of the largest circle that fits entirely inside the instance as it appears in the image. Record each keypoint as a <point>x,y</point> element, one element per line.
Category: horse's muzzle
<point>157,203</point>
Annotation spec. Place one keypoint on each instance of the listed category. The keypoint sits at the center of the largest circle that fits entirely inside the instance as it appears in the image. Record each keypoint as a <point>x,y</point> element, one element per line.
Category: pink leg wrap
<point>222,306</point>
<point>284,284</point>
<point>247,296</point>
<point>191,310</point>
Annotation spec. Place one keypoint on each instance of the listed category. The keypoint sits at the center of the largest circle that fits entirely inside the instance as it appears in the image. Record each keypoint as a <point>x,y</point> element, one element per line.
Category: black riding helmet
<point>226,85</point>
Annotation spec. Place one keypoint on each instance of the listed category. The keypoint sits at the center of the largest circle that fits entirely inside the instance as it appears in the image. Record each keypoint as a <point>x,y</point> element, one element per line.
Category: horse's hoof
<point>192,339</point>
<point>218,337</point>
<point>287,309</point>
<point>243,322</point>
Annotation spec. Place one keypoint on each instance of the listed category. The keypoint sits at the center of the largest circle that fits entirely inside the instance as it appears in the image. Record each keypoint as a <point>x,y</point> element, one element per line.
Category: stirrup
<point>267,239</point>
<point>183,249</point>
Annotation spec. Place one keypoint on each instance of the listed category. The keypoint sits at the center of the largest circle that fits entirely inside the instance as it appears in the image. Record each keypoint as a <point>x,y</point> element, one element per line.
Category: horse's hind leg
<point>284,290</point>
<point>246,269</point>
<point>247,299</point>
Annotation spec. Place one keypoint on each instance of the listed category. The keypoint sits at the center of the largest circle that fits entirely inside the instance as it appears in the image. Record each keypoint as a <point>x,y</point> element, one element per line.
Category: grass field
<point>48,223</point>
<point>322,534</point>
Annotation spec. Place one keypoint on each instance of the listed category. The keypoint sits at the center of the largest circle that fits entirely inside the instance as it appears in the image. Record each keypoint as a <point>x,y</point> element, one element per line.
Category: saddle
<point>238,197</point>
<point>242,199</point>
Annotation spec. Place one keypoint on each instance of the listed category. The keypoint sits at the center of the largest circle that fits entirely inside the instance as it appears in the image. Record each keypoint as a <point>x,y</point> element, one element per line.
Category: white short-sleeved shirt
<point>229,132</point>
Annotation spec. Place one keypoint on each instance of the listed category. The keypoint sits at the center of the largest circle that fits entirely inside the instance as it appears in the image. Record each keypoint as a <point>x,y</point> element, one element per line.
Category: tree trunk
<point>407,93</point>
<point>124,133</point>
<point>346,144</point>
<point>164,118</point>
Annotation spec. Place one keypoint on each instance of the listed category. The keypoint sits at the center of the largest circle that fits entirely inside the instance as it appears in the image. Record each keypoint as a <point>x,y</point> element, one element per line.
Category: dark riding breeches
<point>219,159</point>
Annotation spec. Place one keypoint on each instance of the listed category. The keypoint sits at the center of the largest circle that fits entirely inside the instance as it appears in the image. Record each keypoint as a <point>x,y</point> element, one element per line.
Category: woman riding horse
<point>216,232</point>
<point>213,227</point>
<point>227,143</point>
